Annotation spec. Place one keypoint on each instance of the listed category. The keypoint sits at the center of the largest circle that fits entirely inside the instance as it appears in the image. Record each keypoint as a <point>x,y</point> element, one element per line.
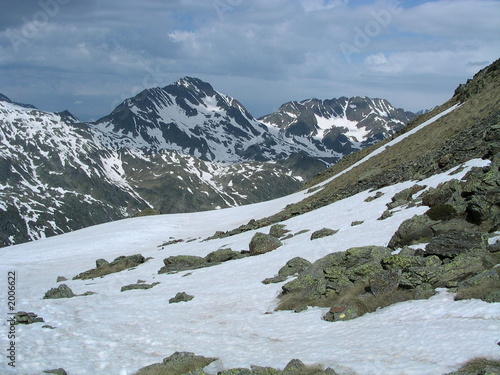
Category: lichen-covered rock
<point>309,287</point>
<point>57,371</point>
<point>355,256</point>
<point>341,313</point>
<point>138,286</point>
<point>222,255</point>
<point>23,317</point>
<point>178,263</point>
<point>325,232</point>
<point>294,266</point>
<point>278,230</point>
<point>103,267</point>
<point>383,282</point>
<point>181,297</point>
<point>414,230</point>
<point>62,291</point>
<point>177,363</point>
<point>452,244</point>
<point>262,243</point>
<point>459,269</point>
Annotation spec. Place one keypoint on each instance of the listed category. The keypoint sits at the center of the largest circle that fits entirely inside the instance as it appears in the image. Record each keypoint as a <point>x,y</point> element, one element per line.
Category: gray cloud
<point>96,53</point>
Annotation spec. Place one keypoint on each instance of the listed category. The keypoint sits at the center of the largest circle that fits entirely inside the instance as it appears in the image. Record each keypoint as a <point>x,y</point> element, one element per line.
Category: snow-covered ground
<point>115,332</point>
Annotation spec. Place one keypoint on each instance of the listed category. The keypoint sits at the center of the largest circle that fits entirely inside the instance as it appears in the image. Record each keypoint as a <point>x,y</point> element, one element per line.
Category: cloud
<point>261,52</point>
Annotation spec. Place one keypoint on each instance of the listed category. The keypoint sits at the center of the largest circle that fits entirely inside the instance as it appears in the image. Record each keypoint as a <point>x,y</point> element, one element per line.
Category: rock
<point>177,363</point>
<point>278,230</point>
<point>452,244</point>
<point>262,243</point>
<point>404,196</point>
<point>340,313</point>
<point>459,269</point>
<point>138,286</point>
<point>325,232</point>
<point>355,223</point>
<point>60,279</point>
<point>294,366</point>
<point>377,195</point>
<point>364,270</point>
<point>100,263</point>
<point>48,326</point>
<point>415,230</point>
<point>402,262</point>
<point>330,260</point>
<point>441,212</point>
<point>23,317</point>
<point>58,371</point>
<point>258,370</point>
<point>181,263</point>
<point>309,287</point>
<point>495,247</point>
<point>493,297</point>
<point>103,267</point>
<point>449,193</point>
<point>274,279</point>
<point>62,291</point>
<point>236,371</point>
<point>222,255</point>
<point>355,256</point>
<point>384,282</point>
<point>294,266</point>
<point>181,297</point>
<point>385,215</point>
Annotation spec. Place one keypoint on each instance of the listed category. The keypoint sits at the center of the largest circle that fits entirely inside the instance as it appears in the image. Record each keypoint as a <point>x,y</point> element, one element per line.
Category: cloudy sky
<point>88,56</point>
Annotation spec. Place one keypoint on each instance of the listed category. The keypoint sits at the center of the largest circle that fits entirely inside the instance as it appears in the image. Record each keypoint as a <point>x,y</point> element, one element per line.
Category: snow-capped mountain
<point>338,125</point>
<point>192,118</point>
<point>181,148</point>
<point>58,174</point>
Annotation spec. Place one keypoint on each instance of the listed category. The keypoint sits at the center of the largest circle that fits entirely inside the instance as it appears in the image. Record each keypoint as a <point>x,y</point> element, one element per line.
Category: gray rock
<point>294,266</point>
<point>181,297</point>
<point>384,282</point>
<point>60,279</point>
<point>355,256</point>
<point>355,223</point>
<point>178,363</point>
<point>23,317</point>
<point>99,263</point>
<point>278,230</point>
<point>294,366</point>
<point>138,286</point>
<point>309,287</point>
<point>62,291</point>
<point>58,371</point>
<point>411,231</point>
<point>325,232</point>
<point>262,243</point>
<point>222,255</point>
<point>181,263</point>
<point>341,313</point>
<point>452,244</point>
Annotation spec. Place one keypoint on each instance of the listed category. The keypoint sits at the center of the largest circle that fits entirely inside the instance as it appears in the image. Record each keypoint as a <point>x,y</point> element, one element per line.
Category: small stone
<point>325,232</point>
<point>60,279</point>
<point>181,297</point>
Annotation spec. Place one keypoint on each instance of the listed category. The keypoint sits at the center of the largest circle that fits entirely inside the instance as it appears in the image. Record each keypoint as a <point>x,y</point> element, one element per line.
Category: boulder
<point>178,263</point>
<point>294,266</point>
<point>278,230</point>
<point>309,287</point>
<point>177,363</point>
<point>222,255</point>
<point>57,371</point>
<point>383,282</point>
<point>23,317</point>
<point>137,286</point>
<point>325,232</point>
<point>452,244</point>
<point>414,230</point>
<point>262,243</point>
<point>341,313</point>
<point>181,297</point>
<point>103,267</point>
<point>355,256</point>
<point>62,291</point>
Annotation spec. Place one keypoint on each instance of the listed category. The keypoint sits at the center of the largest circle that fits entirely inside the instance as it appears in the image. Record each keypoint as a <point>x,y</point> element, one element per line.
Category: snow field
<point>115,332</point>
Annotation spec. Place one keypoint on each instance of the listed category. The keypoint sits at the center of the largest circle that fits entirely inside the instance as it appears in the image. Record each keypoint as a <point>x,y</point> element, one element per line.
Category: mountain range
<point>387,262</point>
<point>181,148</point>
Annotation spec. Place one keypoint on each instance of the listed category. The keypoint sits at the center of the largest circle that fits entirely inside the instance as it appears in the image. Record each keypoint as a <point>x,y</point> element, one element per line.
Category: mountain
<point>181,148</point>
<point>387,263</point>
<point>339,125</point>
<point>3,98</point>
